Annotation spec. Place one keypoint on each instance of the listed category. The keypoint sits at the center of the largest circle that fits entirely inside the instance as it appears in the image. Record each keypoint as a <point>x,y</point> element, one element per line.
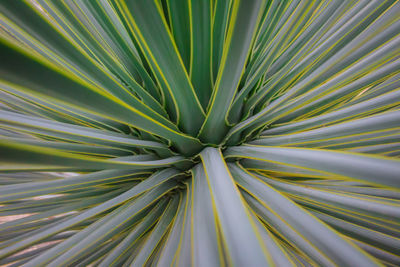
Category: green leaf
<point>378,208</point>
<point>31,105</point>
<point>329,242</point>
<point>183,252</point>
<point>26,190</point>
<point>234,218</point>
<point>383,101</point>
<point>276,167</point>
<point>204,222</point>
<point>63,48</point>
<point>171,244</point>
<point>371,124</point>
<point>160,229</point>
<point>73,132</point>
<point>372,169</point>
<point>178,12</point>
<point>200,59</point>
<point>373,238</point>
<point>137,204</point>
<point>134,235</point>
<point>41,158</point>
<point>240,34</point>
<point>278,254</point>
<point>163,56</point>
<point>286,232</point>
<point>100,102</point>
<point>220,20</point>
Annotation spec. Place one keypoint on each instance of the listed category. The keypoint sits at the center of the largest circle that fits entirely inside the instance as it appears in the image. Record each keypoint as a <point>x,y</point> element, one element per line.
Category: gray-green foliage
<point>204,133</point>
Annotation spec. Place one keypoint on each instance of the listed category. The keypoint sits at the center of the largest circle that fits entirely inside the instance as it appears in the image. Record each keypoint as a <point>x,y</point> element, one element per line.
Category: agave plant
<point>205,133</point>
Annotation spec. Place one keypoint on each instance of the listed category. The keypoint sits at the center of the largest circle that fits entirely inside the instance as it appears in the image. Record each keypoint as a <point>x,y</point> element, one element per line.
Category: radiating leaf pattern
<point>200,133</point>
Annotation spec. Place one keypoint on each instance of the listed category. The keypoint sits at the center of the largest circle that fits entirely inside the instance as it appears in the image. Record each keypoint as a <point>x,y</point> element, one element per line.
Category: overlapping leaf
<point>199,133</point>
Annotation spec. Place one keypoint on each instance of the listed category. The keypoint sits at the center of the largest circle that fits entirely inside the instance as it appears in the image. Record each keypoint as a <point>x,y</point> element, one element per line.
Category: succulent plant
<point>200,133</point>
